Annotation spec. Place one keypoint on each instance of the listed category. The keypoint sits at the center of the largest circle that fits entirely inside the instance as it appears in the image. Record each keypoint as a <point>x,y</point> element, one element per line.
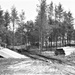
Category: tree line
<point>52,24</point>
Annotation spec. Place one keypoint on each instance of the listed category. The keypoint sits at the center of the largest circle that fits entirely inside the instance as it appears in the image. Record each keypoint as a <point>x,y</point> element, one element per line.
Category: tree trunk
<point>51,40</point>
<point>13,36</point>
<point>6,37</point>
<point>63,40</point>
<point>60,41</point>
<point>56,41</point>
<point>41,42</point>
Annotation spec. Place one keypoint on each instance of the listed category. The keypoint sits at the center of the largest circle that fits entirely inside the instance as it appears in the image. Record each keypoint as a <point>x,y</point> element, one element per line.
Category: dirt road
<point>34,67</point>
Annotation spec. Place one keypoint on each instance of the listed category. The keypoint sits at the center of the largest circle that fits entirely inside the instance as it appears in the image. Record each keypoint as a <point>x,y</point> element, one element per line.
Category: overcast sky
<point>29,6</point>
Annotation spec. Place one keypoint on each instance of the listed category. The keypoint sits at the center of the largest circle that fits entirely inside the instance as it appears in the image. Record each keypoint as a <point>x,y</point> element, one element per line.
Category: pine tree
<point>58,20</point>
<point>6,19</point>
<point>69,21</point>
<point>21,23</point>
<point>41,22</point>
<point>1,17</point>
<point>50,19</point>
<point>14,19</point>
<point>6,24</point>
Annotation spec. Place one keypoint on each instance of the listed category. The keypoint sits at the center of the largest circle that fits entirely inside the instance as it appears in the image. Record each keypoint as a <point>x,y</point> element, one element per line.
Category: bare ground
<point>45,64</point>
<point>36,67</point>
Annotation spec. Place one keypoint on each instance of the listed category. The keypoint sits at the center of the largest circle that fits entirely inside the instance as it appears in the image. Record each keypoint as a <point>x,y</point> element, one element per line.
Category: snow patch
<point>68,50</point>
<point>7,53</point>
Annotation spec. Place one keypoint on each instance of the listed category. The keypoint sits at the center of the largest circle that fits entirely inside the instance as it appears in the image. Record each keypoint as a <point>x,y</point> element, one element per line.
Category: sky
<point>29,6</point>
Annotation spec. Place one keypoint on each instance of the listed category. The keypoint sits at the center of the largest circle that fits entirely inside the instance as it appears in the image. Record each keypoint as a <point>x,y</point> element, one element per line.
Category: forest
<point>53,26</point>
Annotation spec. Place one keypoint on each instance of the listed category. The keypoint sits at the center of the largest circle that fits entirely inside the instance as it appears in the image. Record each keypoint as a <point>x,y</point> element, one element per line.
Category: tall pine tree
<point>41,22</point>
